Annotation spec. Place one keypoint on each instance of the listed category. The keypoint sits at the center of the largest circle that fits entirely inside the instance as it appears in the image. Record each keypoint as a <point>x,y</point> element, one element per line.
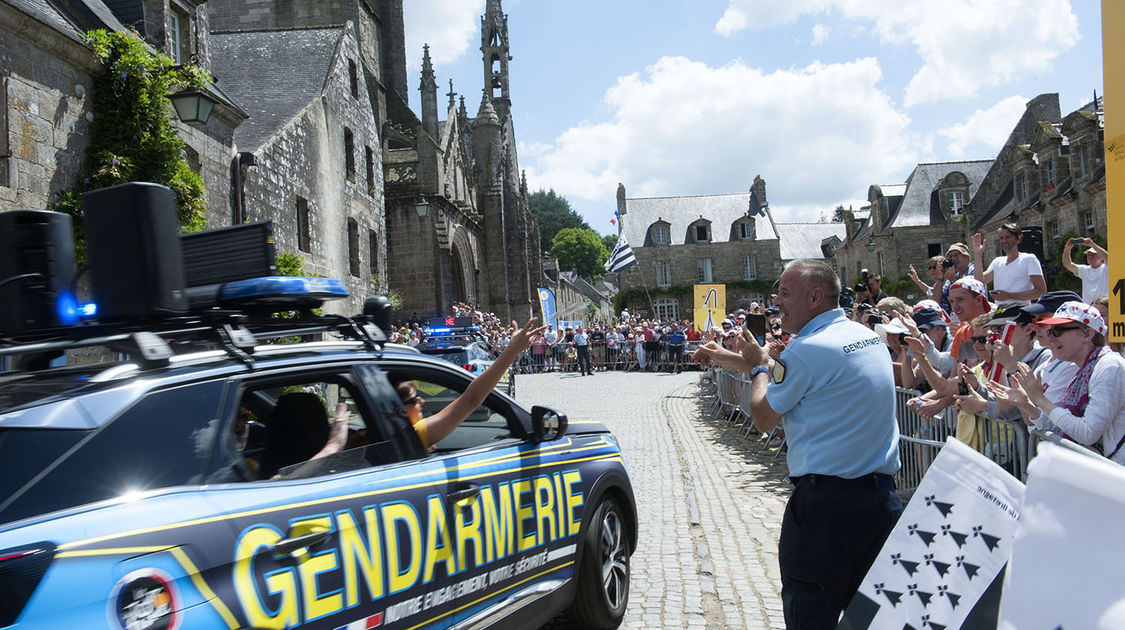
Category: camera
<point>993,336</point>
<point>902,337</point>
<point>962,388</point>
<point>865,274</point>
<point>875,318</point>
<point>946,263</point>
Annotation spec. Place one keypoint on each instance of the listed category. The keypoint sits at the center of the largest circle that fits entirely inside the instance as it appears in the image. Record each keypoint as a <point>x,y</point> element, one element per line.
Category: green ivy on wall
<point>131,137</point>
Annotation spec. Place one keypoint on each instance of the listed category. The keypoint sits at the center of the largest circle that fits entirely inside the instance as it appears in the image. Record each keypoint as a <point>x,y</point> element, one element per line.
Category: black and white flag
<point>941,566</point>
<point>622,256</point>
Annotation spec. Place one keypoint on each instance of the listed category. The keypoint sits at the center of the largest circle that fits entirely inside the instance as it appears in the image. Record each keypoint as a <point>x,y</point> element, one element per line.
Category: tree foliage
<point>581,249</point>
<point>610,241</point>
<point>554,213</point>
<point>131,136</point>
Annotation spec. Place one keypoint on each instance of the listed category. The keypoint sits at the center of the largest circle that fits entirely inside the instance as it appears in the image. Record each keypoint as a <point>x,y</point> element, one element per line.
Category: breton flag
<point>1065,569</point>
<point>942,566</point>
<point>622,256</point>
<point>756,209</point>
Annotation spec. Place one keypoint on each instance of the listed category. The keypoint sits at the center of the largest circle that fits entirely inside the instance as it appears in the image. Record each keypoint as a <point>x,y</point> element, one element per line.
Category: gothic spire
<point>451,94</point>
<point>428,78</point>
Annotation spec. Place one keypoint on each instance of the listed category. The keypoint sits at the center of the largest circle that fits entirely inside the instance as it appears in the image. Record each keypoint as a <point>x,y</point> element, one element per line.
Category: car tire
<point>602,593</point>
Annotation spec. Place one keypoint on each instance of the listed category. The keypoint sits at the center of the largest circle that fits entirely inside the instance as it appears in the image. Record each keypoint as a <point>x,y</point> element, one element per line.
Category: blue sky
<point>822,98</point>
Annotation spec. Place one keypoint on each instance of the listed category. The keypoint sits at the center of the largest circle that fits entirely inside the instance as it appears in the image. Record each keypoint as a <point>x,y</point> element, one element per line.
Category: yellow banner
<point>1113,65</point>
<point>710,305</point>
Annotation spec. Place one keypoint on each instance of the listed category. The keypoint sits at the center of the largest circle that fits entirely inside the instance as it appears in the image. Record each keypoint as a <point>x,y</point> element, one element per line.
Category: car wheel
<point>603,573</point>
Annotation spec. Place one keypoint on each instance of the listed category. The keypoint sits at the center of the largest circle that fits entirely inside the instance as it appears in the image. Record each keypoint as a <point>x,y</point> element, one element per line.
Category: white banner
<point>1067,568</point>
<point>950,544</point>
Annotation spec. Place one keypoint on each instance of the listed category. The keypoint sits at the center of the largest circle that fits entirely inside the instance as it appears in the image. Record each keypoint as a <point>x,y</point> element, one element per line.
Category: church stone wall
<point>306,160</point>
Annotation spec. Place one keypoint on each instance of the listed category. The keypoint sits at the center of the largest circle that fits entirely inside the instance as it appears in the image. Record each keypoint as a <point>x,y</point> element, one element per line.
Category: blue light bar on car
<point>283,288</point>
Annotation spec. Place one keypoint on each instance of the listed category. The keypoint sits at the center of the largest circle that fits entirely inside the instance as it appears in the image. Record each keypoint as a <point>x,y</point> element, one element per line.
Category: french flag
<point>374,621</point>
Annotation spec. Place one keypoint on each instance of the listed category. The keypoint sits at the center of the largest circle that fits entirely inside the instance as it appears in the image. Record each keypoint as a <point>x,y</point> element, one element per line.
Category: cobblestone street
<point>709,501</point>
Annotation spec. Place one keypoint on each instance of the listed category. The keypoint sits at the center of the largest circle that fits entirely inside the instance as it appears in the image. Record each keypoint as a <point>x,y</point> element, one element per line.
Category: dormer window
<point>700,231</point>
<point>745,230</point>
<point>660,233</point>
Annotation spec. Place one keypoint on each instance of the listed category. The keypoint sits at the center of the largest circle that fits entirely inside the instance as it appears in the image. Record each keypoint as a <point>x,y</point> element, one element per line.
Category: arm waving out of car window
<point>433,429</point>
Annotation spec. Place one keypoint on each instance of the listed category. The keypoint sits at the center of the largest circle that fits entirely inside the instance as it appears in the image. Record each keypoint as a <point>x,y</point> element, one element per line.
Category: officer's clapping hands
<point>752,352</point>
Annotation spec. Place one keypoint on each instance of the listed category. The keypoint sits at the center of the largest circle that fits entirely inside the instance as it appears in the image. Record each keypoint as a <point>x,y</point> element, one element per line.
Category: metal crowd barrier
<point>603,357</point>
<point>732,402</point>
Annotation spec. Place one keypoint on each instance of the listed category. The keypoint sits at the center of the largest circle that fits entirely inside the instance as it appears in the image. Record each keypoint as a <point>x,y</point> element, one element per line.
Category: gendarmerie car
<point>158,489</point>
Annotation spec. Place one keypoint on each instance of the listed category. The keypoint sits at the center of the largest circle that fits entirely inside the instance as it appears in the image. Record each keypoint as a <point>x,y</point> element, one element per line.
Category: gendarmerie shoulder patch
<point>778,373</point>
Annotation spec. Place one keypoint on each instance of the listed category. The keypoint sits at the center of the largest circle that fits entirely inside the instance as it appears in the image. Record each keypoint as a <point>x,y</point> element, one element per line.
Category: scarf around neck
<point>1078,392</point>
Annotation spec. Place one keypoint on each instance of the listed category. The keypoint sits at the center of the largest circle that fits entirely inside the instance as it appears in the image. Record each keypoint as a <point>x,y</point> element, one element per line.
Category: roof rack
<point>154,343</point>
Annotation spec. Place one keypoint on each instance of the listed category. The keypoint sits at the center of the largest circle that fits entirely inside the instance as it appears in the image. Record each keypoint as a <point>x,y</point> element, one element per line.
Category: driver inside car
<point>434,428</point>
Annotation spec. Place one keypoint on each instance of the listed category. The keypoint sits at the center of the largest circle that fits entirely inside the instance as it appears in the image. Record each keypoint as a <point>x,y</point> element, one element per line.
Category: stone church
<point>312,130</point>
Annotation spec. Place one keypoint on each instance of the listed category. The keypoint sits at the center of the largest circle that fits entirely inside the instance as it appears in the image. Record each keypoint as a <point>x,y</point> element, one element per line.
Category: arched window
<point>659,233</point>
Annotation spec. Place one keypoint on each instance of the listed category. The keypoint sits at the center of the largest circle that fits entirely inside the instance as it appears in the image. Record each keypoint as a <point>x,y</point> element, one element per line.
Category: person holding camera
<point>832,388</point>
<point>1094,274</point>
<point>1016,277</point>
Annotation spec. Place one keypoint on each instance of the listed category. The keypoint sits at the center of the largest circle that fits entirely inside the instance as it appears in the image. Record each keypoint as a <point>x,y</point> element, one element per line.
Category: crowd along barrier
<point>1008,443</point>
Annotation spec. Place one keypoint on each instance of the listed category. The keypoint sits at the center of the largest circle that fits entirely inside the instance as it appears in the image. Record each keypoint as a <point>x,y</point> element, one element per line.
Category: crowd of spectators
<point>627,342</point>
<point>1015,353</point>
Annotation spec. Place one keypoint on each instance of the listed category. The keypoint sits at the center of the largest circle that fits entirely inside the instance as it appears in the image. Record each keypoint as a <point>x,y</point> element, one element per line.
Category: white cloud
<point>819,34</point>
<point>683,127</point>
<point>964,44</point>
<point>985,130</point>
<point>450,27</point>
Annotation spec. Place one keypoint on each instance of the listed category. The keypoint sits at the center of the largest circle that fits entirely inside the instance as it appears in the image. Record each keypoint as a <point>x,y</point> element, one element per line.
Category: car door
<point>509,504</point>
<point>343,539</point>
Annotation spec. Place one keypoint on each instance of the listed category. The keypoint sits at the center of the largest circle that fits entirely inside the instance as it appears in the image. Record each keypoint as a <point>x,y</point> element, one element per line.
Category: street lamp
<point>870,245</point>
<point>193,106</point>
<point>422,208</point>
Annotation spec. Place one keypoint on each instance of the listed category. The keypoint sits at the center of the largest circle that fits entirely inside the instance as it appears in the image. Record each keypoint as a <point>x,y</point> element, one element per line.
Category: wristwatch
<point>758,369</point>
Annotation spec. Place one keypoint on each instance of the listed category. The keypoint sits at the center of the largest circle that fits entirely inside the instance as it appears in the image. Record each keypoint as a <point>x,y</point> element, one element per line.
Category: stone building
<point>709,239</point>
<point>1049,175</point>
<point>46,75</point>
<point>309,153</point>
<point>433,209</point>
<point>1056,181</point>
<point>907,223</point>
<point>312,130</point>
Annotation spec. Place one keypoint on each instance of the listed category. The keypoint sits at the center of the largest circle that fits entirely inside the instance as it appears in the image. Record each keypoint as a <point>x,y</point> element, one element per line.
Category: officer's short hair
<point>818,274</point>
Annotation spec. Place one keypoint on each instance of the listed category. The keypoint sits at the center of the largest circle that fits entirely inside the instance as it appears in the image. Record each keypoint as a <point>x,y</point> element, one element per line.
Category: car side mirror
<point>547,424</point>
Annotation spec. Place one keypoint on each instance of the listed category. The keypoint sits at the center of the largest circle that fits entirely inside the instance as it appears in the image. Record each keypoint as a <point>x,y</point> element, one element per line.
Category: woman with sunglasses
<point>433,429</point>
<point>1093,406</point>
<point>934,291</point>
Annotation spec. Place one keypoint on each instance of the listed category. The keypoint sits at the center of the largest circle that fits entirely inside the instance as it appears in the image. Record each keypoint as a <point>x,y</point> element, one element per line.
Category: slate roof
<point>70,19</point>
<point>680,212</point>
<point>273,75</point>
<point>916,205</point>
<point>803,240</point>
<point>130,12</point>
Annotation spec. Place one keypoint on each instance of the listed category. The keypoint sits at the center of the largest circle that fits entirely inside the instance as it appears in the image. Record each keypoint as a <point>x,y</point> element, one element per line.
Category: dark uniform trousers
<point>584,365</point>
<point>832,531</point>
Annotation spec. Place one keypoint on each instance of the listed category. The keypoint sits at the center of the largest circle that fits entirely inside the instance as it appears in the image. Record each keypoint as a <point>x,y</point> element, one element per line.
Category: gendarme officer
<point>832,388</point>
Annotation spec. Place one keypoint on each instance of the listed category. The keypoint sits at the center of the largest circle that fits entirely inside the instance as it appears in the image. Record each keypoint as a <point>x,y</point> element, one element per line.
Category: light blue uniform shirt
<point>838,400</point>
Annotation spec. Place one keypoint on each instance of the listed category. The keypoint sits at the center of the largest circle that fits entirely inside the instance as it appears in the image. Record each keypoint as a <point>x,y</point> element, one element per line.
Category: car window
<point>280,424</point>
<point>165,439</point>
<point>486,424</point>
